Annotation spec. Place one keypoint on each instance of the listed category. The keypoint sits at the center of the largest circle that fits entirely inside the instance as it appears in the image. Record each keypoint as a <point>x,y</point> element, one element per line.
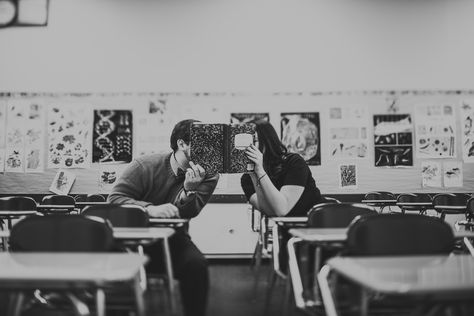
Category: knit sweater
<point>150,180</point>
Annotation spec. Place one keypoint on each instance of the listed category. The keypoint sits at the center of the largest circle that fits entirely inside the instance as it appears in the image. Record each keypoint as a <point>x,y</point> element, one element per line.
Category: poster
<point>149,138</point>
<point>452,174</point>
<point>300,133</point>
<point>348,132</point>
<point>34,137</point>
<point>467,135</point>
<point>435,131</point>
<point>239,118</point>
<point>62,182</point>
<point>112,136</point>
<point>393,140</point>
<point>431,174</point>
<point>2,160</point>
<point>69,137</point>
<point>347,176</point>
<point>108,176</point>
<point>15,136</point>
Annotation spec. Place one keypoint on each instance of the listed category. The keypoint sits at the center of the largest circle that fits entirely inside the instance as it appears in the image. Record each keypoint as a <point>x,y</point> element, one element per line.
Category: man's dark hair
<point>181,130</point>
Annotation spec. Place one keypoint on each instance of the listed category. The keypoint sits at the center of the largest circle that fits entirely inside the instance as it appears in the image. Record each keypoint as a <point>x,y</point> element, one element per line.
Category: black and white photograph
<point>236,158</point>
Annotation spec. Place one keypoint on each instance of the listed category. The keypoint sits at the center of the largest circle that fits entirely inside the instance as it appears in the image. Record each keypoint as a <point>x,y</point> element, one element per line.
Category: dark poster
<point>239,118</point>
<point>112,137</point>
<point>393,140</point>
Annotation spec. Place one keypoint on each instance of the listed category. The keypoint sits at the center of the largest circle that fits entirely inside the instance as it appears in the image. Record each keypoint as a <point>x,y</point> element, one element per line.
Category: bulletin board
<point>353,141</point>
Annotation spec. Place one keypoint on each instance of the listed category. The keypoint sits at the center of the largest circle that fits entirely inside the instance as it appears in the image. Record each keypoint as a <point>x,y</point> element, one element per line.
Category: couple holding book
<point>170,185</point>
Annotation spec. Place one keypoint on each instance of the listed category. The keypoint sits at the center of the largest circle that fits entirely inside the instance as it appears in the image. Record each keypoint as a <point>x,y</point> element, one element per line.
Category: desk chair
<point>305,259</point>
<point>414,198</point>
<point>390,235</point>
<point>60,233</point>
<point>57,199</point>
<point>380,195</point>
<point>458,203</point>
<point>14,207</point>
<point>120,215</point>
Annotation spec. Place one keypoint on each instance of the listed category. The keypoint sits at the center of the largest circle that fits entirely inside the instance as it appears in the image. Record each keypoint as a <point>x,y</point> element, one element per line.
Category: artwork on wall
<point>2,159</point>
<point>431,174</point>
<point>467,135</point>
<point>108,176</point>
<point>25,136</point>
<point>348,132</point>
<point>239,118</point>
<point>435,131</point>
<point>62,182</point>
<point>393,140</point>
<point>452,174</point>
<point>300,133</point>
<point>112,136</point>
<point>69,139</point>
<point>347,176</point>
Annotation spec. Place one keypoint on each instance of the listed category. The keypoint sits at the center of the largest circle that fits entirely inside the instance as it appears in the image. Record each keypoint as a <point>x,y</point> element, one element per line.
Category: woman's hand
<point>256,157</point>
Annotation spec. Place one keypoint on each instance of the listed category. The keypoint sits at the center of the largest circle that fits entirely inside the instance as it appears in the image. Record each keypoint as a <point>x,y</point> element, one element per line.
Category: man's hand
<point>194,176</point>
<point>163,211</point>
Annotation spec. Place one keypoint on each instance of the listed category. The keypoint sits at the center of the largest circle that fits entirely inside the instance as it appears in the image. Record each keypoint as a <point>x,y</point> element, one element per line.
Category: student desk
<point>63,271</point>
<point>55,208</point>
<point>420,206</point>
<point>334,237</point>
<point>434,278</point>
<point>380,203</point>
<point>169,222</point>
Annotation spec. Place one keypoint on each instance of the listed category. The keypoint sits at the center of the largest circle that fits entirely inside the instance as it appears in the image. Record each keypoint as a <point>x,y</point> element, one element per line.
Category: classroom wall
<point>256,48</point>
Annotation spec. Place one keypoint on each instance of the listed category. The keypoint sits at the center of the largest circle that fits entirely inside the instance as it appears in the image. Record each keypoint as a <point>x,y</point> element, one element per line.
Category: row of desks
<point>62,271</point>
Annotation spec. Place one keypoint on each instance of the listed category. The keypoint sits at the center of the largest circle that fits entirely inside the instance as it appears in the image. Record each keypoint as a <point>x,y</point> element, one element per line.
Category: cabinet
<point>224,230</point>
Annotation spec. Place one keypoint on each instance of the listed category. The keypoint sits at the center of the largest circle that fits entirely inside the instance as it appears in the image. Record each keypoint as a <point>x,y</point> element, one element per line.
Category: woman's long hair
<point>274,152</point>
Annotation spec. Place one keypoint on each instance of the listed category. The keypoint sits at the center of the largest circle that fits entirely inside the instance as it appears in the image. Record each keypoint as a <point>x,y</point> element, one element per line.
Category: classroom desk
<point>63,271</point>
<point>281,223</point>
<point>140,235</point>
<point>420,206</point>
<point>169,222</point>
<point>338,235</point>
<point>9,215</point>
<point>55,208</point>
<point>434,278</point>
<point>380,203</point>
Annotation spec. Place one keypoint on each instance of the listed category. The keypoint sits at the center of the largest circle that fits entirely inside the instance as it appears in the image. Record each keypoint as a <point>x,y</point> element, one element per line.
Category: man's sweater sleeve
<point>192,205</point>
<point>129,187</point>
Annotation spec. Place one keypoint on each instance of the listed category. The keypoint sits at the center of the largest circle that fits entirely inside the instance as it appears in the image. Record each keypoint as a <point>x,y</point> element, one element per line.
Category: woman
<point>281,184</point>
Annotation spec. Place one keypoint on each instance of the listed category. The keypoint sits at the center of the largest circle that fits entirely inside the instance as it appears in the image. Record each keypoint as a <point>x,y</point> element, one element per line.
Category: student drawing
<point>62,182</point>
<point>347,176</point>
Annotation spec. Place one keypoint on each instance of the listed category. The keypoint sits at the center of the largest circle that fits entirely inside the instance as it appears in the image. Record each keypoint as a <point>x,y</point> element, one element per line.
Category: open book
<point>220,148</point>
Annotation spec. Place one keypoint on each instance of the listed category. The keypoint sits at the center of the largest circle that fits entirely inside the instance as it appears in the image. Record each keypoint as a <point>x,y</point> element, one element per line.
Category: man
<point>169,185</point>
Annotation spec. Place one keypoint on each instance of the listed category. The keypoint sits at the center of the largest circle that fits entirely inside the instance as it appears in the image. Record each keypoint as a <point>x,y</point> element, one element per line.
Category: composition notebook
<point>220,148</point>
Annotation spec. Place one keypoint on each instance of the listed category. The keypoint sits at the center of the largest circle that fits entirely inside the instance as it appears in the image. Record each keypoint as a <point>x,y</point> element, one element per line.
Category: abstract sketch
<point>452,174</point>
<point>347,137</point>
<point>435,131</point>
<point>300,133</point>
<point>467,135</point>
<point>112,136</point>
<point>347,176</point>
<point>62,182</point>
<point>431,174</point>
<point>393,140</point>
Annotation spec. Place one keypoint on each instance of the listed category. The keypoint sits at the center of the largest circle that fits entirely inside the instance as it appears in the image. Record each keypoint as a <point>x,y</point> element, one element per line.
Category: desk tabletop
<point>451,207</point>
<point>415,203</point>
<point>289,220</point>
<point>168,221</point>
<point>51,267</point>
<point>91,203</point>
<point>340,234</point>
<point>17,213</point>
<point>142,232</point>
<point>409,274</point>
<point>380,201</point>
